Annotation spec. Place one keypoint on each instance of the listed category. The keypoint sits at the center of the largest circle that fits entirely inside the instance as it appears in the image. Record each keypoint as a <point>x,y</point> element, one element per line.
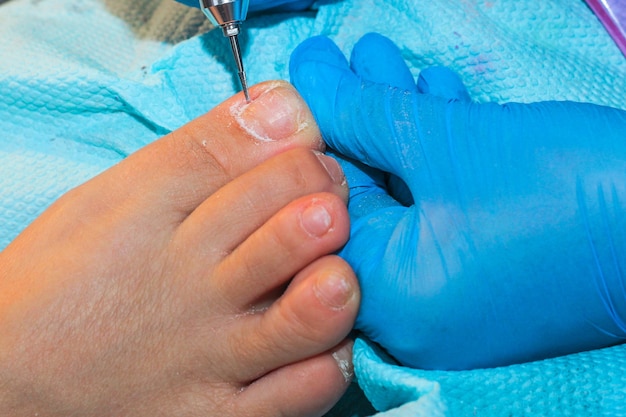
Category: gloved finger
<point>377,59</point>
<point>321,73</point>
<point>353,116</point>
<point>442,82</point>
<point>265,5</point>
<point>437,81</point>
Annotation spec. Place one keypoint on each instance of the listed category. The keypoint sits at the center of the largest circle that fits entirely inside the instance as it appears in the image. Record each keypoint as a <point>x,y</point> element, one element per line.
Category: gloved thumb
<point>344,105</point>
<point>375,58</point>
<point>367,185</point>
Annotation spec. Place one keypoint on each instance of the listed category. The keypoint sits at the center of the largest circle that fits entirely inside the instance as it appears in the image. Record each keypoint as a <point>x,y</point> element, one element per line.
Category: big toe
<point>179,171</point>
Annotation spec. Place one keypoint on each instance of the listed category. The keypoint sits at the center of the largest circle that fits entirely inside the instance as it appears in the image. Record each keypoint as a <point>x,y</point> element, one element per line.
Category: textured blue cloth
<point>79,92</point>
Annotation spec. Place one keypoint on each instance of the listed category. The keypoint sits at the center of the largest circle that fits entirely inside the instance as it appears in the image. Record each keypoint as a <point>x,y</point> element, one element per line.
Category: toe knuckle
<point>300,326</point>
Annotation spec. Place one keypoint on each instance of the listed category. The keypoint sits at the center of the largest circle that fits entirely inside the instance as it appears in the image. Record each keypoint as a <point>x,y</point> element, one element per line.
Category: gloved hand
<point>512,245</point>
<point>266,5</point>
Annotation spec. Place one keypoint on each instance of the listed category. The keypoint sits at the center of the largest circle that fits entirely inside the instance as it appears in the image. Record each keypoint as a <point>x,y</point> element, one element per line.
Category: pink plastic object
<point>612,14</point>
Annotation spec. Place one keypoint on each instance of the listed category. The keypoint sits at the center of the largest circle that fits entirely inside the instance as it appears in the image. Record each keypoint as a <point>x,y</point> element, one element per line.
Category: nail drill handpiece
<point>229,14</point>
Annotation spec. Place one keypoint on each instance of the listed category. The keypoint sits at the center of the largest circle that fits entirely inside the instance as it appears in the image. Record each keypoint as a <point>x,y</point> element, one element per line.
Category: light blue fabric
<point>78,92</point>
<point>585,384</point>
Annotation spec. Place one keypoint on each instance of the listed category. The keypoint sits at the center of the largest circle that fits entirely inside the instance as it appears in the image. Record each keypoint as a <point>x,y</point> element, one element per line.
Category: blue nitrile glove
<point>266,5</point>
<point>515,246</point>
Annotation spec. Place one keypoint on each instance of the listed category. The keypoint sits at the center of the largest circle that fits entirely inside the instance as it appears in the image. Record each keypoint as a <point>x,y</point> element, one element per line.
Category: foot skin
<point>192,279</point>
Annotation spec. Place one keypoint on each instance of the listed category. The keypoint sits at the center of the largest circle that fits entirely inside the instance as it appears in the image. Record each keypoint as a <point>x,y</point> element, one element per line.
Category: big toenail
<point>278,112</point>
<point>333,290</point>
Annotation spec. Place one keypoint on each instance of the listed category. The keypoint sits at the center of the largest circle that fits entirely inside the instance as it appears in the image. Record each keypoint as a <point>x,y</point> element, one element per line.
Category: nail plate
<point>278,112</point>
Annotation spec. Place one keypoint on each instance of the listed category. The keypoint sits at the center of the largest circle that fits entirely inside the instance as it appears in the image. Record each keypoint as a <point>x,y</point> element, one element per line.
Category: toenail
<point>343,357</point>
<point>316,220</point>
<point>333,290</point>
<point>332,167</point>
<point>278,112</point>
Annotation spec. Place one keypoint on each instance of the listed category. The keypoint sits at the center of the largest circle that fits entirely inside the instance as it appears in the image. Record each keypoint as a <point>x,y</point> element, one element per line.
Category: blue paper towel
<point>585,384</point>
<point>78,92</point>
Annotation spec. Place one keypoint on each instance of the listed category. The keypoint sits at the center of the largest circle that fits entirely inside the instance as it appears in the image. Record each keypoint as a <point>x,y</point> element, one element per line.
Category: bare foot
<point>192,279</point>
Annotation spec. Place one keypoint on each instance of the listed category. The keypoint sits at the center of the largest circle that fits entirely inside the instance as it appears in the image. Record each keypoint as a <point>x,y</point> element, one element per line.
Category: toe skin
<point>309,388</point>
<point>316,312</point>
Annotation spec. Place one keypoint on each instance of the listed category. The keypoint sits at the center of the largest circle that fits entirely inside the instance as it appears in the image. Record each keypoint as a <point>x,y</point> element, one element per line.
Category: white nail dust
<point>344,367</point>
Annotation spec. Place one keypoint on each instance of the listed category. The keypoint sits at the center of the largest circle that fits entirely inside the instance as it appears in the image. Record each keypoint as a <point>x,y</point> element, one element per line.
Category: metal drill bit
<point>234,44</point>
<point>228,14</point>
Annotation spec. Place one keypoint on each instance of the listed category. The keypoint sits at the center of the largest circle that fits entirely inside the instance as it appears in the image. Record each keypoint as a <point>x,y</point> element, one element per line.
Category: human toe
<point>308,388</point>
<point>182,169</point>
<point>315,313</point>
<point>305,230</point>
<point>228,218</point>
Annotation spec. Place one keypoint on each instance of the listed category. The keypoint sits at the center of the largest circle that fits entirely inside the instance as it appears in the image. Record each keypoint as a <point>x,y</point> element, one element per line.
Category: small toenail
<point>333,290</point>
<point>316,220</point>
<point>343,357</point>
<point>332,167</point>
<point>278,112</point>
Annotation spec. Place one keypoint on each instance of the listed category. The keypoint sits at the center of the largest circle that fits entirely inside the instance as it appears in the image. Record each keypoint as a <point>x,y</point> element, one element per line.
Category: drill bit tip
<point>244,85</point>
<point>234,43</point>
